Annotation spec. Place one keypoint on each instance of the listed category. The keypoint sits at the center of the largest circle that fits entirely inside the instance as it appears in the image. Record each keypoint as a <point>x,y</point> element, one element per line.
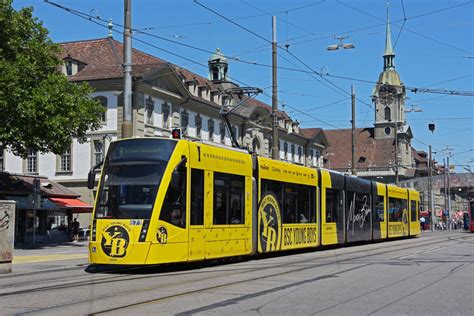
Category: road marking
<point>45,258</point>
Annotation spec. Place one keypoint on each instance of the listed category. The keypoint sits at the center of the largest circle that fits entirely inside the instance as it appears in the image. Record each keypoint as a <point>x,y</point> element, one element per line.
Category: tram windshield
<point>131,176</point>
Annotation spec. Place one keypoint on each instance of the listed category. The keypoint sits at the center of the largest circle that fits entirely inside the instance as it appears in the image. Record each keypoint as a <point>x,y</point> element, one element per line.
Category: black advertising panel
<point>358,211</point>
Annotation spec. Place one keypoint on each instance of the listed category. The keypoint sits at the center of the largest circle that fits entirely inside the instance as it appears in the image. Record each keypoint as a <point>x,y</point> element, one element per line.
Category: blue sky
<point>433,42</point>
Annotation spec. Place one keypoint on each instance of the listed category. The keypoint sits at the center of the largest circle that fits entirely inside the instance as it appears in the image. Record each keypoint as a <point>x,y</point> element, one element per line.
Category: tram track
<point>115,278</point>
<point>372,252</point>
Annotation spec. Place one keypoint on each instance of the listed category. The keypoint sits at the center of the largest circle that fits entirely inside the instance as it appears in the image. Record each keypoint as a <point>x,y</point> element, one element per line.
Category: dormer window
<point>72,66</point>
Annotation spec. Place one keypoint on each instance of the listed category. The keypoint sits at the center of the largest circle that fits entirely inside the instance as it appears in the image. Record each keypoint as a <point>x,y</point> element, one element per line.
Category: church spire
<point>389,53</point>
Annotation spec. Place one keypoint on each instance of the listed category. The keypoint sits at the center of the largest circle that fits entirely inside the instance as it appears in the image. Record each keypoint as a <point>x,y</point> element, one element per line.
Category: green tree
<point>39,108</point>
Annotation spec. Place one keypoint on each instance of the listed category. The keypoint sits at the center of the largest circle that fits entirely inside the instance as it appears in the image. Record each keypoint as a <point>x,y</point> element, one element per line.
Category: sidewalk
<point>50,257</point>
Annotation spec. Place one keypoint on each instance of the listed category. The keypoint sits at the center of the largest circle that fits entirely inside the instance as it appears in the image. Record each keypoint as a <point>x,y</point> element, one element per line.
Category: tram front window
<point>132,174</point>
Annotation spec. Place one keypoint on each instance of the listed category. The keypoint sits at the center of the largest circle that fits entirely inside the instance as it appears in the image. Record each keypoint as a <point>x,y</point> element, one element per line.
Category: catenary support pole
<point>353,165</point>
<point>127,127</point>
<point>275,139</point>
<point>430,190</point>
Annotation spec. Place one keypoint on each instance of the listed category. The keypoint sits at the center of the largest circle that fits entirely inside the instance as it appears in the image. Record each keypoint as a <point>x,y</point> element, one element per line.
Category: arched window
<point>388,115</point>
<point>255,145</point>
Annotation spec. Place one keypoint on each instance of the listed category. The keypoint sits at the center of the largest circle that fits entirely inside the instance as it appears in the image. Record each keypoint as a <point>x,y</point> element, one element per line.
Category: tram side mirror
<point>91,179</point>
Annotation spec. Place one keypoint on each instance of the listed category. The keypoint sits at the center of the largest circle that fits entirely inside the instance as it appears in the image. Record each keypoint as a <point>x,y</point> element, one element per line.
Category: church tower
<point>389,98</point>
<point>388,95</point>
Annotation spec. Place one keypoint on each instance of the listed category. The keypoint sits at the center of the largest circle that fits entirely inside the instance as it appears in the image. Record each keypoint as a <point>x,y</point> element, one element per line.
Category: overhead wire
<point>311,71</point>
<point>407,29</point>
<point>87,18</point>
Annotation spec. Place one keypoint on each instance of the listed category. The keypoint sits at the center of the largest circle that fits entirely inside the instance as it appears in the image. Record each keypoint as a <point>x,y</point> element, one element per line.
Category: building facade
<point>165,96</point>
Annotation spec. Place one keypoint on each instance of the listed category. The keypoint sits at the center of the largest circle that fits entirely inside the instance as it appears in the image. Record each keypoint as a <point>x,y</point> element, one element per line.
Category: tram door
<point>197,232</point>
<point>379,213</point>
<point>414,213</point>
<point>332,208</point>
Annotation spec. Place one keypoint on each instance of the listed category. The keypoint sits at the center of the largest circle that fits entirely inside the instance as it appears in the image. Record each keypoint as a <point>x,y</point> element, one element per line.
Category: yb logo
<point>115,240</point>
<point>162,235</point>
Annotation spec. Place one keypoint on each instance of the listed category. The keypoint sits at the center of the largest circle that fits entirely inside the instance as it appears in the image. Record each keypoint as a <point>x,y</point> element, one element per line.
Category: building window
<point>198,121</point>
<point>285,150</point>
<point>32,161</point>
<point>98,151</point>
<point>165,110</point>
<point>293,152</point>
<point>387,113</point>
<point>2,159</point>
<point>69,68</point>
<point>150,108</point>
<point>299,153</point>
<point>222,131</point>
<point>311,155</point>
<point>210,127</point>
<point>65,161</point>
<point>103,116</point>
<point>184,121</point>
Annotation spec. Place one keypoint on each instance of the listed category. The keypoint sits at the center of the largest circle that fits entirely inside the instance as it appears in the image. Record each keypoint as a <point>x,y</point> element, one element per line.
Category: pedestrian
<point>422,223</point>
<point>75,230</point>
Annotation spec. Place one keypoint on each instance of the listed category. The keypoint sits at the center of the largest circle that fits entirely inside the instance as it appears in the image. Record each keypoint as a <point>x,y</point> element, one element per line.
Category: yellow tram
<point>166,200</point>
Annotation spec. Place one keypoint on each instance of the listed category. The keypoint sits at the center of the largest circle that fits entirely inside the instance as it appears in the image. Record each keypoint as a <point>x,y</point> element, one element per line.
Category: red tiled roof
<point>310,133</point>
<point>103,59</point>
<point>377,153</point>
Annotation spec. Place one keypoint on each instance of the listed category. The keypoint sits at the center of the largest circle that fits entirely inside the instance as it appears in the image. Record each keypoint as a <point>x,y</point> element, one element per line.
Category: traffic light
<point>431,127</point>
<point>176,133</point>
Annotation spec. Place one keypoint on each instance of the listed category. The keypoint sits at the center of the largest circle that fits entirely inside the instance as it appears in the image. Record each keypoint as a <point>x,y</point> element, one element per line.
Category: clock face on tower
<point>387,94</point>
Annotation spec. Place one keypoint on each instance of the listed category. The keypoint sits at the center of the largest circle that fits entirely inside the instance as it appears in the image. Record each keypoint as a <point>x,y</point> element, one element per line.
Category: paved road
<point>430,275</point>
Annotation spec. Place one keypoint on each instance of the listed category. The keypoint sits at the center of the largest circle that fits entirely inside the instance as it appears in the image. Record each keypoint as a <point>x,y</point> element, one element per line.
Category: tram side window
<point>333,198</point>
<point>414,211</point>
<point>379,208</point>
<point>229,193</point>
<point>397,211</point>
<point>174,205</point>
<point>297,202</point>
<point>197,197</point>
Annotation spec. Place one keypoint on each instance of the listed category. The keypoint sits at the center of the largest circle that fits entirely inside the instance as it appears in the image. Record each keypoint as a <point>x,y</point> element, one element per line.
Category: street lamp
<point>413,109</point>
<point>340,44</point>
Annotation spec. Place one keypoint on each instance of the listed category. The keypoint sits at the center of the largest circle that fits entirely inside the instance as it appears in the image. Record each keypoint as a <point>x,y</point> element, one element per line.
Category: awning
<point>76,205</point>
<point>25,202</point>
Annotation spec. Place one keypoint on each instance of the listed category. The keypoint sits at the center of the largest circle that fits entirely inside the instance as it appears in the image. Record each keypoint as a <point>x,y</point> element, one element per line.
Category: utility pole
<point>127,127</point>
<point>445,186</point>
<point>430,190</point>
<point>354,169</point>
<point>396,152</point>
<point>275,142</point>
<point>449,194</point>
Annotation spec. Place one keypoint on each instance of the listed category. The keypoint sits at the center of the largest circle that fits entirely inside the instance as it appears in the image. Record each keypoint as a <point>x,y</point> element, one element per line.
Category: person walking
<point>75,230</point>
<point>422,223</point>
